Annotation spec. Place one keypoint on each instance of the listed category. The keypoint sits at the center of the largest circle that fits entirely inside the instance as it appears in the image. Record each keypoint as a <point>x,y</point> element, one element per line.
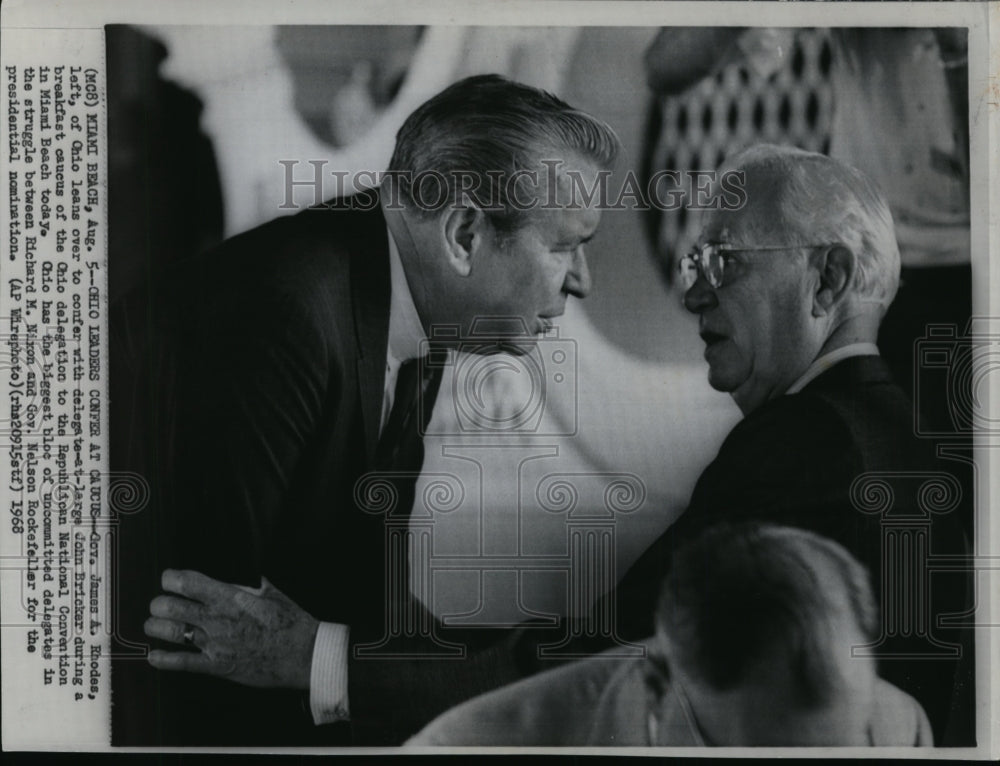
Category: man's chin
<point>722,380</point>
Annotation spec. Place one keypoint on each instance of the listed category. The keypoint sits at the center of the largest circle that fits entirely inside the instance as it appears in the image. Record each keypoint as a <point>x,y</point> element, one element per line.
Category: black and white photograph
<point>608,376</point>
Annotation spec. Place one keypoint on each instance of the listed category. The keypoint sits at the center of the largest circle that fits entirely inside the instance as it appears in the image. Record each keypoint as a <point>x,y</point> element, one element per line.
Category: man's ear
<point>837,267</point>
<point>464,231</point>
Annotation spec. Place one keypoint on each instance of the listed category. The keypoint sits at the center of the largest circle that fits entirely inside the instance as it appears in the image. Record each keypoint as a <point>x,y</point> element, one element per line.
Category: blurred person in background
<point>901,113</point>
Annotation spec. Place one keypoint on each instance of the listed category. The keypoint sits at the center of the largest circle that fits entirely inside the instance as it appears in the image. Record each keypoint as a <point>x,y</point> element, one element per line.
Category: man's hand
<point>256,637</point>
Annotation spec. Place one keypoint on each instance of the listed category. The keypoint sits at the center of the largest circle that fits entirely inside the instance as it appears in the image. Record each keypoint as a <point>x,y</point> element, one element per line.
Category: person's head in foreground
<point>755,627</point>
<point>483,199</point>
<point>807,265</point>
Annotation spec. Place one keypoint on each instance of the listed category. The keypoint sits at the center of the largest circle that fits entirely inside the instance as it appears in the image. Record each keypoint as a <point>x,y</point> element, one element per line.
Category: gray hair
<point>490,129</point>
<point>824,200</point>
<point>735,593</point>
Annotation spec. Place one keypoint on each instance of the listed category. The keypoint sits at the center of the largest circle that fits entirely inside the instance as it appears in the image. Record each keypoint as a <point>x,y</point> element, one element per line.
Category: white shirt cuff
<point>328,675</point>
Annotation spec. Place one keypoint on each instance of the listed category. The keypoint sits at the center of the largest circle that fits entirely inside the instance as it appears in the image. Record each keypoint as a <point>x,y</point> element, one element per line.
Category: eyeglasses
<point>709,260</point>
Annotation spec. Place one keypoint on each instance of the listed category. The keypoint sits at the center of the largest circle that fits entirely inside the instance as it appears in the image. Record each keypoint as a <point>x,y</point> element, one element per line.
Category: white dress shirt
<point>825,362</point>
<point>328,676</point>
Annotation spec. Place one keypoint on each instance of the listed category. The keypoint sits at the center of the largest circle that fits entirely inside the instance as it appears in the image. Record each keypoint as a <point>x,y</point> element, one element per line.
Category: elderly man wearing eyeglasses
<point>796,280</point>
<point>789,290</point>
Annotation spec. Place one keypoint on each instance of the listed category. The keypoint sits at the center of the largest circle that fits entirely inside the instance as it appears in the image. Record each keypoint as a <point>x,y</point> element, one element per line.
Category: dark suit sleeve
<point>791,466</point>
<point>254,387</point>
<point>393,697</point>
<point>797,466</point>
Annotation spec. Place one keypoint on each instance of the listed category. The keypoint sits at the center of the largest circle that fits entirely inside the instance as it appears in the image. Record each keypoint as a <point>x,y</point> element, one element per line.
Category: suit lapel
<point>370,293</point>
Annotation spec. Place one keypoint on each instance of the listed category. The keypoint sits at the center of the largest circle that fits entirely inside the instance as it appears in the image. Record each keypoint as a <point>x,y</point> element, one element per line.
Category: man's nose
<point>578,281</point>
<point>700,296</point>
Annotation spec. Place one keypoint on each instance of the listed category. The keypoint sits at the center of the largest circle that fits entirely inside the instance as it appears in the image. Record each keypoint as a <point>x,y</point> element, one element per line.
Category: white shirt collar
<point>406,333</point>
<point>825,362</point>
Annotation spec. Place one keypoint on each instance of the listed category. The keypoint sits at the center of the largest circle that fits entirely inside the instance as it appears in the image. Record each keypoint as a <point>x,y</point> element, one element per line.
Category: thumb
<point>255,591</point>
<point>267,589</point>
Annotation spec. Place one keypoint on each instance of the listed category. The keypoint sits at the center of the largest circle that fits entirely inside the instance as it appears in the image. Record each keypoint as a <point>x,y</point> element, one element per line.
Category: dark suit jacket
<point>793,461</point>
<point>267,384</point>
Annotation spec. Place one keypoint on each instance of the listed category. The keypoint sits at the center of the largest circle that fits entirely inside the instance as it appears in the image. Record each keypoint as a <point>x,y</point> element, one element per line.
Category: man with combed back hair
<point>754,630</point>
<point>297,352</point>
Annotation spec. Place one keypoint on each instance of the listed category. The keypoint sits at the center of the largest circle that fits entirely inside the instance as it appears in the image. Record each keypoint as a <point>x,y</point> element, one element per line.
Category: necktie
<point>400,450</point>
<point>408,627</point>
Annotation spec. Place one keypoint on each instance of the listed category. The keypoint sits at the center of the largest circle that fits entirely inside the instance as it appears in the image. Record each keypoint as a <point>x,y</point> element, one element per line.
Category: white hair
<point>824,200</point>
